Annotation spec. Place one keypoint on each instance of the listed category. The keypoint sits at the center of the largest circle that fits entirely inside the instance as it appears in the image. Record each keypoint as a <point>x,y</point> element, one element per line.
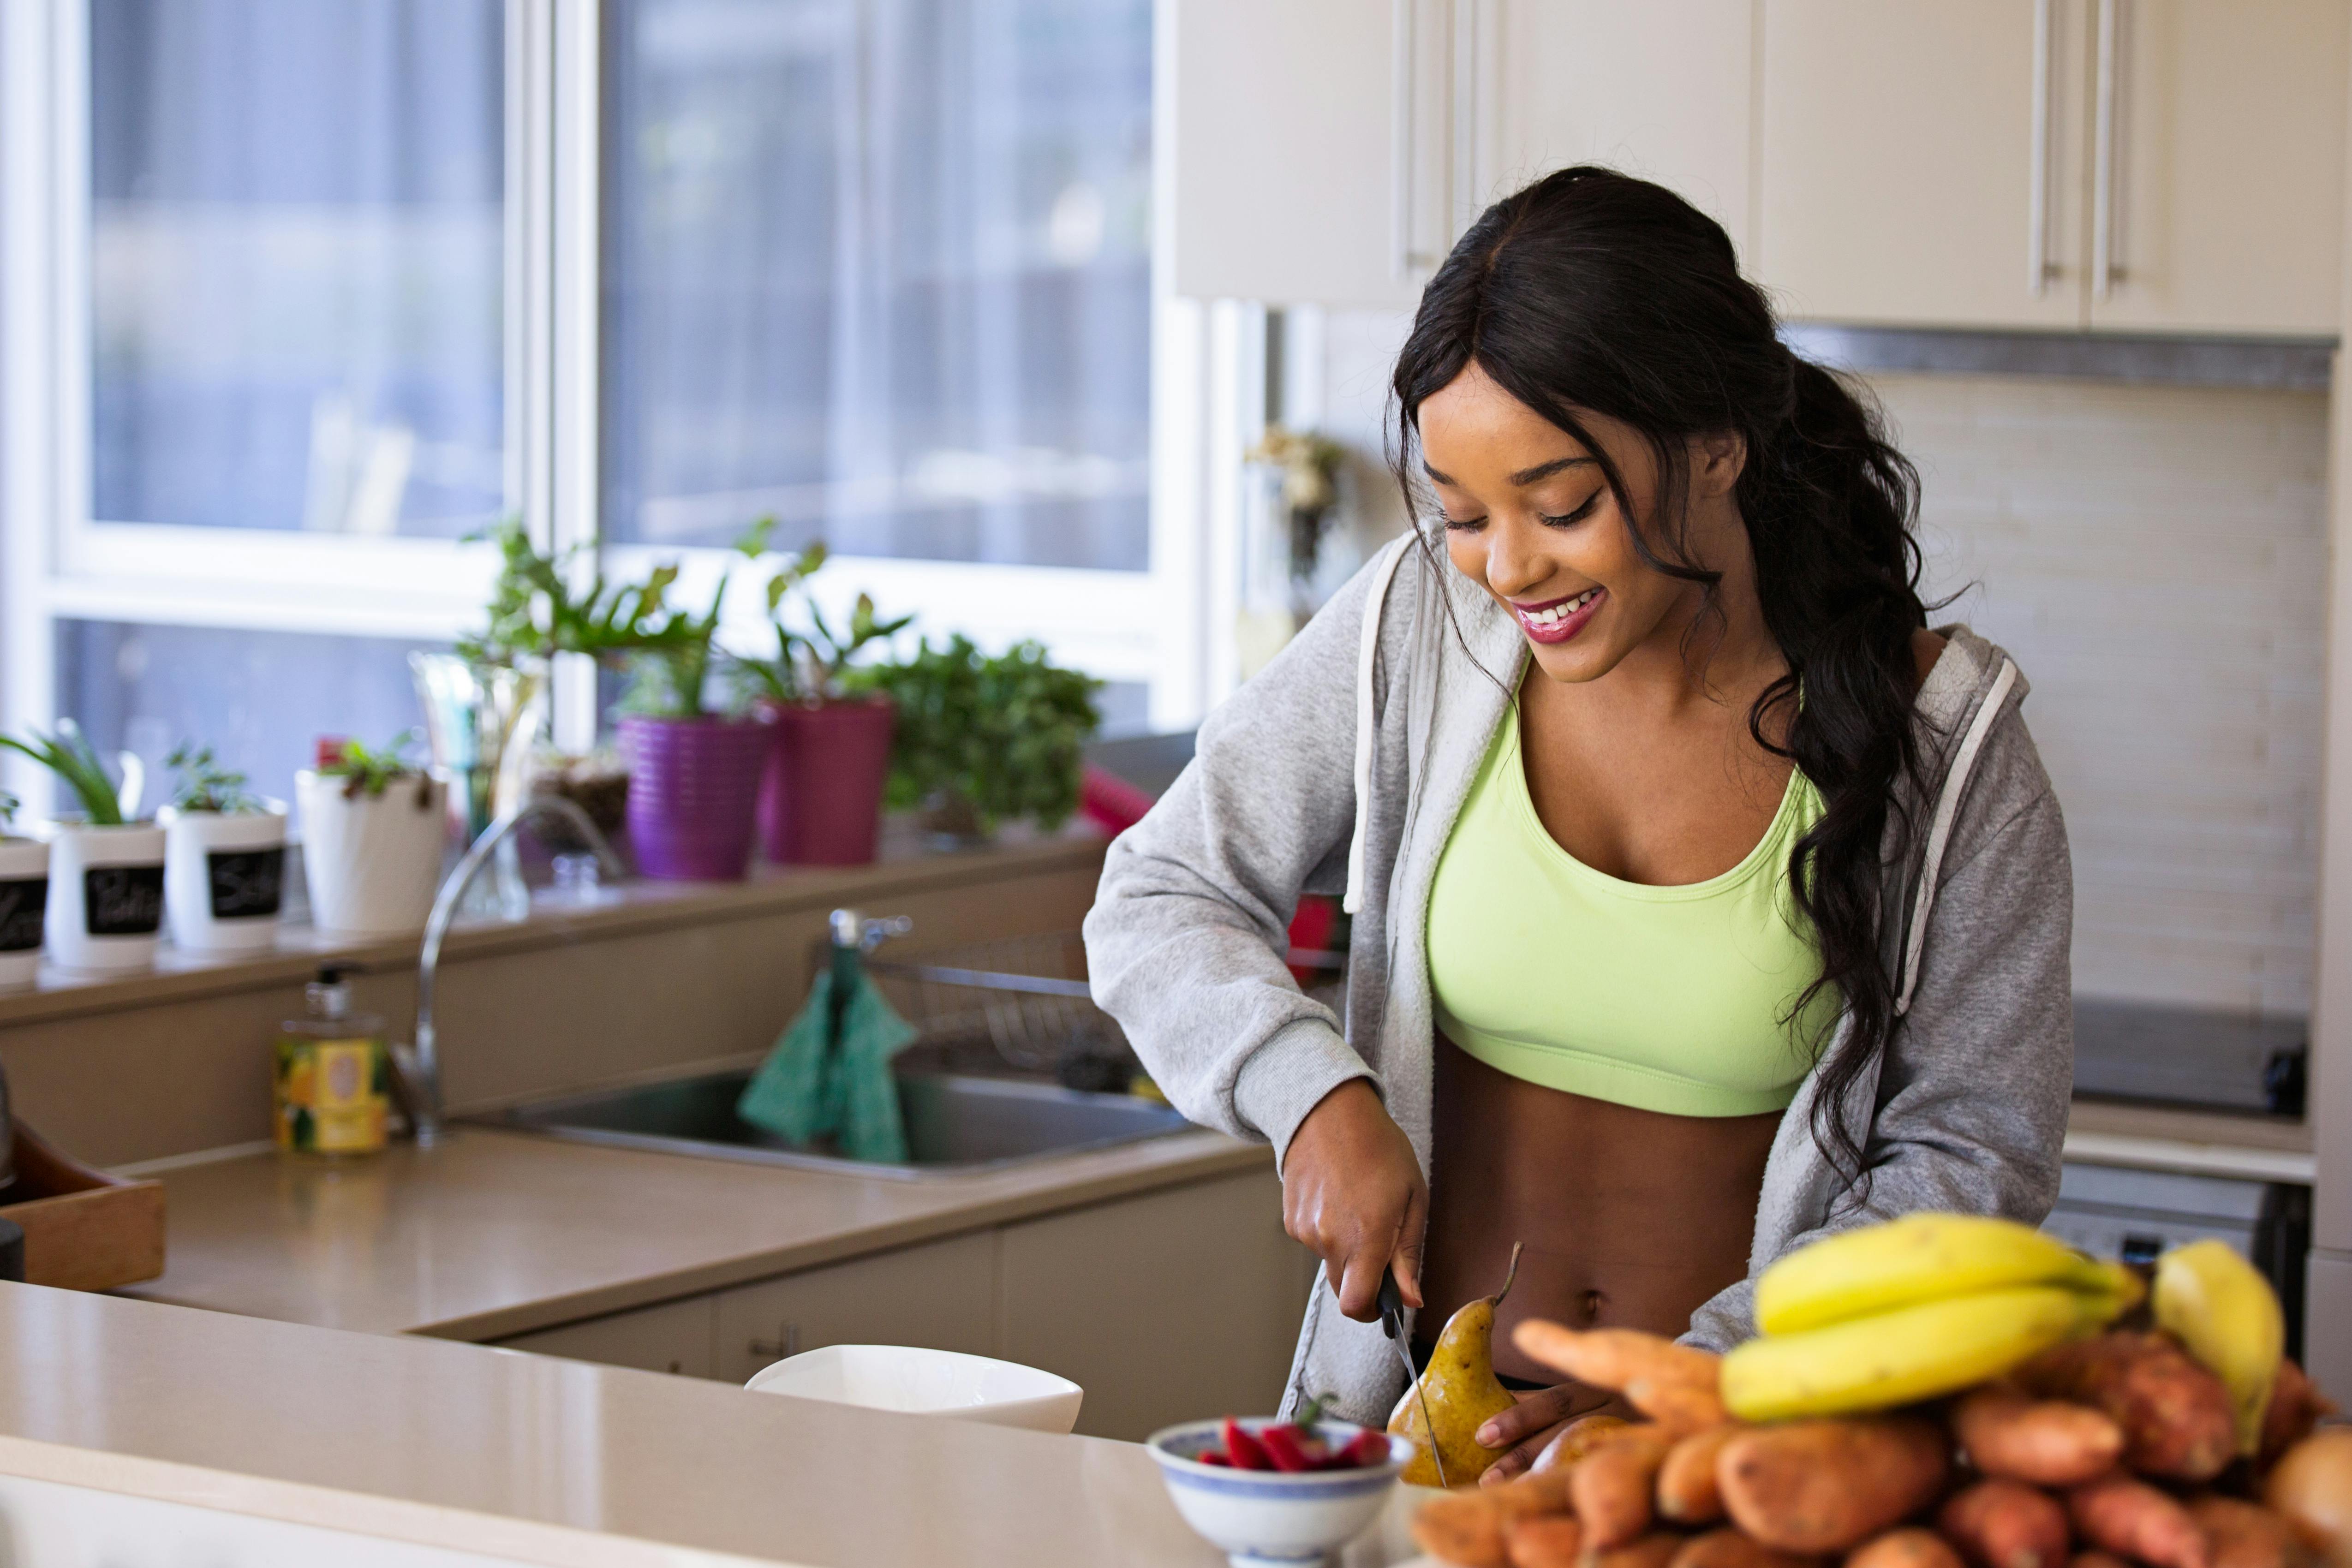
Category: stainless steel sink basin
<point>955,1125</point>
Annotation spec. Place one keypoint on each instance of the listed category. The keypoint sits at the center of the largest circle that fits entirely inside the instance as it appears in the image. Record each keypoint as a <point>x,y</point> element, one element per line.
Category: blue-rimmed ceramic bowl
<point>1263,1518</point>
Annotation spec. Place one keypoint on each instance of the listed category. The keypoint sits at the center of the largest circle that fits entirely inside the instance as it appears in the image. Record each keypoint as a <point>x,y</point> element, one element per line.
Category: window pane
<point>881,268</point>
<point>260,699</point>
<point>297,245</point>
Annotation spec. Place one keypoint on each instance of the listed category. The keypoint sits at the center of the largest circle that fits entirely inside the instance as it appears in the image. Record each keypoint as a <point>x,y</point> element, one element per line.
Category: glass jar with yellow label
<point>333,1076</point>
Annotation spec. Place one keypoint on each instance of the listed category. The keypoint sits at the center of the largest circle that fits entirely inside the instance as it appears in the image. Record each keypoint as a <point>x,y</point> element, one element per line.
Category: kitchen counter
<point>528,1457</point>
<point>494,1233</point>
<point>2193,1143</point>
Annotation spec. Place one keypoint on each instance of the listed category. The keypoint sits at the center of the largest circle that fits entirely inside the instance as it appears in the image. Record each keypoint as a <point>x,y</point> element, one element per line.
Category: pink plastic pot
<point>693,784</point>
<point>821,802</point>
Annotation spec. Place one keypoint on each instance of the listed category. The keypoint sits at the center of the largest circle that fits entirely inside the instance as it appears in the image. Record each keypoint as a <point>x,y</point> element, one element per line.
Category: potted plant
<point>23,900</point>
<point>106,870</point>
<point>224,857</point>
<point>984,740</point>
<point>371,836</point>
<point>820,798</point>
<point>694,773</point>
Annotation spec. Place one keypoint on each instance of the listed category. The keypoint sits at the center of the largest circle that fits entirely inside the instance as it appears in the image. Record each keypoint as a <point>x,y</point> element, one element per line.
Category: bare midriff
<point>1630,1218</point>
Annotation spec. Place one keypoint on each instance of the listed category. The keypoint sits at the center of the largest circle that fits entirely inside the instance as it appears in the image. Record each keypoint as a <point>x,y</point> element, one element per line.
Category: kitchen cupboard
<point>1164,1306</point>
<point>2171,165</point>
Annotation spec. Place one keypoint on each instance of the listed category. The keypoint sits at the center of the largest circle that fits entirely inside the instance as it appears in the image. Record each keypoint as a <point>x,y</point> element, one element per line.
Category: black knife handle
<point>1392,1304</point>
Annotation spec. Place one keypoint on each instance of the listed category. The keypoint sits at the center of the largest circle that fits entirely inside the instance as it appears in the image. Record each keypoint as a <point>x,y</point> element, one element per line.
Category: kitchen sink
<point>956,1124</point>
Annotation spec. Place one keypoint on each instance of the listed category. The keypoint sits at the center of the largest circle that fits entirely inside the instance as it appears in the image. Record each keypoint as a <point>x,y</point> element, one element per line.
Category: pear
<point>1462,1394</point>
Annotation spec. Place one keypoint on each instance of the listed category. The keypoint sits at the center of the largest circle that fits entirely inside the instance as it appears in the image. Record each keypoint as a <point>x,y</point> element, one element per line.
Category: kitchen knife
<point>1392,1324</point>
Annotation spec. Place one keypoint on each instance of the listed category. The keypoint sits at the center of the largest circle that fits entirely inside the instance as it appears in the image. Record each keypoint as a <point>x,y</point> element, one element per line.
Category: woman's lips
<point>1557,619</point>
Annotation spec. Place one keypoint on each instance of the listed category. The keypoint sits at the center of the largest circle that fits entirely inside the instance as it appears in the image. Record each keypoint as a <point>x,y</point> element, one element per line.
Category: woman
<point>1704,900</point>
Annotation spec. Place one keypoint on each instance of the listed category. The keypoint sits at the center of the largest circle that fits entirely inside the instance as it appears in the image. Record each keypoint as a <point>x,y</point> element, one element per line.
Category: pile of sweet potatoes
<point>2110,1451</point>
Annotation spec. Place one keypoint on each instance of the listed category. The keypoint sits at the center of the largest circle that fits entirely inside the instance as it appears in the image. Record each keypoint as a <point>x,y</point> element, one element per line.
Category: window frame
<point>60,563</point>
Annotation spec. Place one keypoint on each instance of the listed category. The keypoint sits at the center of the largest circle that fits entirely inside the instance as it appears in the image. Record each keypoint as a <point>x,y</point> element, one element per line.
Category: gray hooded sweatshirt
<point>1340,769</point>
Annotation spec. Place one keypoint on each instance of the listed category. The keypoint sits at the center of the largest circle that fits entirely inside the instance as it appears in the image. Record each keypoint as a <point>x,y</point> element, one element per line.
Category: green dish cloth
<point>803,1091</point>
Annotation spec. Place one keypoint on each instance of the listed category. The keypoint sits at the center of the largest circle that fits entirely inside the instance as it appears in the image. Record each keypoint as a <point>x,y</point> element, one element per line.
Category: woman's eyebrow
<point>1526,476</point>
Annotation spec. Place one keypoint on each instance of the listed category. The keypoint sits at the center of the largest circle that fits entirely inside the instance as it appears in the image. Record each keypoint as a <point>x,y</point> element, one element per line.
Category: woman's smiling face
<point>1530,517</point>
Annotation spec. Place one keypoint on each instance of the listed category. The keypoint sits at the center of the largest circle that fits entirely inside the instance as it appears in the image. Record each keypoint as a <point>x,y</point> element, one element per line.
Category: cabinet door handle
<point>787,1343</point>
<point>2106,247</point>
<point>2039,268</point>
<point>1400,138</point>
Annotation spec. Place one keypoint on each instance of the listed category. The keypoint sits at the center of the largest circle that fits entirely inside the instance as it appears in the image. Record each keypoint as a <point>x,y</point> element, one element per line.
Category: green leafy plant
<point>67,755</point>
<point>205,785</point>
<point>372,769</point>
<point>809,667</point>
<point>9,807</point>
<point>535,612</point>
<point>985,738</point>
<point>669,674</point>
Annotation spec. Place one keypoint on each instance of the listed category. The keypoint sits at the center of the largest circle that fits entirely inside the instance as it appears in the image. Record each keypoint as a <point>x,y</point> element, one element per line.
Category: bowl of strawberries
<point>1274,1491</point>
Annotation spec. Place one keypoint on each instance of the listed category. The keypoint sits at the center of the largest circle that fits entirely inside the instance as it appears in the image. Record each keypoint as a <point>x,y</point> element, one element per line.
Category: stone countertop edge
<point>548,1461</point>
<point>636,906</point>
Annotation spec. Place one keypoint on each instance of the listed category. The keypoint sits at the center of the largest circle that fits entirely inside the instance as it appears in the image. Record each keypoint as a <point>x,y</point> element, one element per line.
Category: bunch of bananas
<point>1920,1306</point>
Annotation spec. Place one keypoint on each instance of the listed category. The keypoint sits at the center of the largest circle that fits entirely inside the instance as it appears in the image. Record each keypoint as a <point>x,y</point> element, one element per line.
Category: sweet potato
<point>2003,1523</point>
<point>2050,1442</point>
<point>1652,1551</point>
<point>1680,1405</point>
<point>1465,1528</point>
<point>1525,1496</point>
<point>2174,1414</point>
<point>1611,1488</point>
<point>1826,1486</point>
<point>1547,1541</point>
<point>2132,1519</point>
<point>2297,1407</point>
<point>2311,1486</point>
<point>1728,1548</point>
<point>1687,1490</point>
<point>2095,1559</point>
<point>1576,1440</point>
<point>1616,1359</point>
<point>2243,1534</point>
<point>1910,1547</point>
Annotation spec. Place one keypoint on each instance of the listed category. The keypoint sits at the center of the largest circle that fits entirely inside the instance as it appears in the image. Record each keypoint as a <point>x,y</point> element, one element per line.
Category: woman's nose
<point>1513,566</point>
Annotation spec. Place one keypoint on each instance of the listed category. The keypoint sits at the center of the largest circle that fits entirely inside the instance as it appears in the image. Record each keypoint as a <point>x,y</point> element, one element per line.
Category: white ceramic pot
<point>224,876</point>
<point>106,895</point>
<point>372,862</point>
<point>960,1386</point>
<point>23,900</point>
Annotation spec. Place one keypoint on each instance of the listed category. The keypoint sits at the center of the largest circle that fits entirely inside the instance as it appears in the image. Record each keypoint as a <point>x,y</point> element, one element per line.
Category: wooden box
<point>84,1230</point>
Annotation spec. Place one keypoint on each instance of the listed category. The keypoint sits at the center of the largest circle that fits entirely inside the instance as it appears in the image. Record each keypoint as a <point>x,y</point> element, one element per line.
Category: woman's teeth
<point>1559,612</point>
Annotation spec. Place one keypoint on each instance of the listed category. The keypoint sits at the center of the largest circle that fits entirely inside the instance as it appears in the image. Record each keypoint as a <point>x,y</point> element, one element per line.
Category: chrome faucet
<point>420,1066</point>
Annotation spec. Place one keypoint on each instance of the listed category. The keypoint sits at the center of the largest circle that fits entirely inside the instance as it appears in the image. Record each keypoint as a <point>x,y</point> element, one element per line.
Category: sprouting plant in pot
<point>821,799</point>
<point>223,856</point>
<point>24,898</point>
<point>372,835</point>
<point>536,611</point>
<point>694,773</point>
<point>985,739</point>
<point>106,871</point>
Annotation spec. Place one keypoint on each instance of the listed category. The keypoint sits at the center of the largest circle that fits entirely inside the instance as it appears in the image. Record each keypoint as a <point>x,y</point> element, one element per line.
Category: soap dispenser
<point>335,1075</point>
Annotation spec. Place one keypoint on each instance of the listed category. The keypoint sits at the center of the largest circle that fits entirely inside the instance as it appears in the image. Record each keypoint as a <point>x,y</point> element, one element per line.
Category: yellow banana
<point>2217,1304</point>
<point>1908,1353</point>
<point>1917,1258</point>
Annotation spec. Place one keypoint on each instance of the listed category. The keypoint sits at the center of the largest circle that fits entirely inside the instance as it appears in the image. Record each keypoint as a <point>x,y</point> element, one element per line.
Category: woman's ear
<point>1717,461</point>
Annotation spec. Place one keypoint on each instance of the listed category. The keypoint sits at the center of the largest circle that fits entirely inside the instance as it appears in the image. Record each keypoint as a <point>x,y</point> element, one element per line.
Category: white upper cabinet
<point>2224,143</point>
<point>1661,90</point>
<point>1912,163</point>
<point>1312,143</point>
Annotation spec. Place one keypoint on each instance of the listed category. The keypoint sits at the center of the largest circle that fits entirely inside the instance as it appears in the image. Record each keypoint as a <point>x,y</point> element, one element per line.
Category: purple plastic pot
<point>693,785</point>
<point>821,802</point>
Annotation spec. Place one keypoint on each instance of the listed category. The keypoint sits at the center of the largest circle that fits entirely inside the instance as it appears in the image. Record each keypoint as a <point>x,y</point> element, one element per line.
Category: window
<point>296,298</point>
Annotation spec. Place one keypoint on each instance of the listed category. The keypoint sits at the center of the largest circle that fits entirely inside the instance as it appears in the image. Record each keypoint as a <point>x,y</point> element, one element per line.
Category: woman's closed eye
<point>1569,518</point>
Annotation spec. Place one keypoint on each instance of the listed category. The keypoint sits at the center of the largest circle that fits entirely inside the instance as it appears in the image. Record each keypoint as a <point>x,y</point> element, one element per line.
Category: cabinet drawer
<point>941,1296</point>
<point>672,1337</point>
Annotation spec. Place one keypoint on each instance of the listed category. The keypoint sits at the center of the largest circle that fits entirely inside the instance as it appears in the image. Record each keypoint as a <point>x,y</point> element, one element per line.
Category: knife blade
<point>1392,1304</point>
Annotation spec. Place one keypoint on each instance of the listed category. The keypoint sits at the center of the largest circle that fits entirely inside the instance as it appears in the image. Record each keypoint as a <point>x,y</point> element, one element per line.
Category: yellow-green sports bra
<point>1665,999</point>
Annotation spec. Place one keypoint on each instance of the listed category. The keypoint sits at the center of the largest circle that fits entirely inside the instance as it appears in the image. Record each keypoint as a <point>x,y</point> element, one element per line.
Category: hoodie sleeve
<point>1973,1095</point>
<point>1186,938</point>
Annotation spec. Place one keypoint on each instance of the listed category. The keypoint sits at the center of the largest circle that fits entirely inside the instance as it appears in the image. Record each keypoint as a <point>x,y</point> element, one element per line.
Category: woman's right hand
<point>1352,1192</point>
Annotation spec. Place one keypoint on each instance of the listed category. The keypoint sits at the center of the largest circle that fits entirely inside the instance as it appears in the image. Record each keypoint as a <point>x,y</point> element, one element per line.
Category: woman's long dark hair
<point>1590,292</point>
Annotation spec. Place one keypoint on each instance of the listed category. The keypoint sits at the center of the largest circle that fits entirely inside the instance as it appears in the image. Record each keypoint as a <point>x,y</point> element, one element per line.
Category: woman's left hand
<point>1533,1424</point>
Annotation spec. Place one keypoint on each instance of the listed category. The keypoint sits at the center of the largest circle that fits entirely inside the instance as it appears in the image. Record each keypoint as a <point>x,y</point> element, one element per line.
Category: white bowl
<point>1266,1517</point>
<point>927,1383</point>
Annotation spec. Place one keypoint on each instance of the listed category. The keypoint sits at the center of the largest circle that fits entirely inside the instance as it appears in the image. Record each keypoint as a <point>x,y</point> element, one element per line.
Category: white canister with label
<point>23,901</point>
<point>106,895</point>
<point>224,877</point>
